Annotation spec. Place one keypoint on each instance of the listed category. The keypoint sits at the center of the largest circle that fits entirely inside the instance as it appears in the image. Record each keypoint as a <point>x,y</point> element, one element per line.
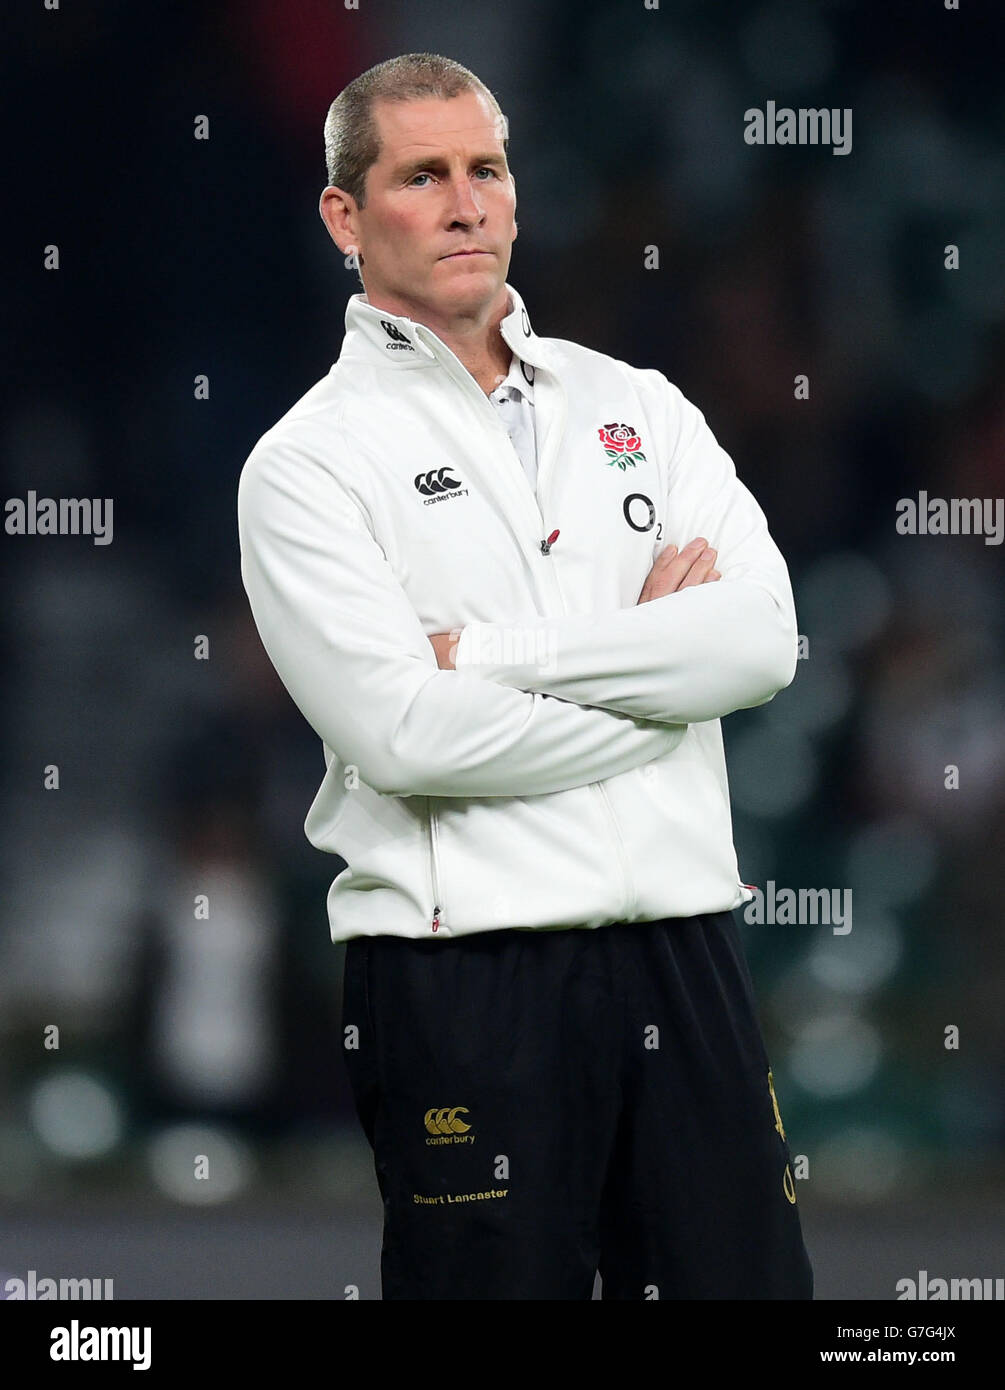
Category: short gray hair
<point>352,143</point>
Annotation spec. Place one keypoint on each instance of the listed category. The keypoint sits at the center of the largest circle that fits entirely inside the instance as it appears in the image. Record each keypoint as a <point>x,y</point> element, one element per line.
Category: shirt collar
<point>374,335</point>
<point>519,378</point>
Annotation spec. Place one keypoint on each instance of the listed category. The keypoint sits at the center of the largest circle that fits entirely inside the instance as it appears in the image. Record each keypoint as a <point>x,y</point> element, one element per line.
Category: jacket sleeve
<point>693,655</point>
<point>350,649</point>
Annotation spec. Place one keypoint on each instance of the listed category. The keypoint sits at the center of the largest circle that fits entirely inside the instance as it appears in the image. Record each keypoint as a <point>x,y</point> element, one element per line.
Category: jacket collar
<point>374,335</point>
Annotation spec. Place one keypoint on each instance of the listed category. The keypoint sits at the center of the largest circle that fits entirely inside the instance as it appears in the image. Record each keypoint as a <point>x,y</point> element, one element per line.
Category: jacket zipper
<point>619,843</point>
<point>528,500</point>
<point>434,868</point>
<point>544,548</point>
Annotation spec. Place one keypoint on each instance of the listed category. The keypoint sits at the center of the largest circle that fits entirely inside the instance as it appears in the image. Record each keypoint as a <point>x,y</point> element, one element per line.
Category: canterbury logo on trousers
<point>445,1121</point>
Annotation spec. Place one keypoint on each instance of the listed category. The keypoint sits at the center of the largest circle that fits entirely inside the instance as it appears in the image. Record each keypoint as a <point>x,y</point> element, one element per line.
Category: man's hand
<point>444,645</point>
<point>674,570</point>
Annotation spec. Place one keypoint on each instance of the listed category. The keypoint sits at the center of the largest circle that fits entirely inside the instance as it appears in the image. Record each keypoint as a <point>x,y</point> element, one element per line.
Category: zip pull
<point>546,545</point>
<point>436,918</point>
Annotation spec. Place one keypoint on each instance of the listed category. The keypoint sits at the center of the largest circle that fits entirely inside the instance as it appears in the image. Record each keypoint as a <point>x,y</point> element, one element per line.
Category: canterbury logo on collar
<point>398,339</point>
<point>373,334</point>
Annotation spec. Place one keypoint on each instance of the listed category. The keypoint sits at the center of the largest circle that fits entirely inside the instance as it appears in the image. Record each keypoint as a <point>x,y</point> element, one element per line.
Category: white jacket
<point>570,771</point>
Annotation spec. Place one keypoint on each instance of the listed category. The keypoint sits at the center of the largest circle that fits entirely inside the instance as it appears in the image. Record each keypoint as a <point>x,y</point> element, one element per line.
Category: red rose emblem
<point>621,438</point>
<point>621,444</point>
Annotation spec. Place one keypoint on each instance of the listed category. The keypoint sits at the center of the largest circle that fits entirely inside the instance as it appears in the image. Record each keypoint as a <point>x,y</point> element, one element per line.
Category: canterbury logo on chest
<point>438,485</point>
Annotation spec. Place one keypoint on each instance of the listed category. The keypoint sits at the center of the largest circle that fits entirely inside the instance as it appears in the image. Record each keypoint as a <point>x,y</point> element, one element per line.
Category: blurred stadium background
<point>180,776</point>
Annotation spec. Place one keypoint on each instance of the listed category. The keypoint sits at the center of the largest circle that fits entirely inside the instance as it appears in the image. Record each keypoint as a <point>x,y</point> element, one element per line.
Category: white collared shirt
<point>514,399</point>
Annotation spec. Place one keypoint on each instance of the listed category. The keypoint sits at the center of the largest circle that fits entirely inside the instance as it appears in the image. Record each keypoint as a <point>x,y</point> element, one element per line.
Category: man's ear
<point>337,210</point>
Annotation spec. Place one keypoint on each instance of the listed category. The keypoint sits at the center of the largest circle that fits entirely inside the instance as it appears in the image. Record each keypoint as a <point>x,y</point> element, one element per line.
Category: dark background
<point>181,257</point>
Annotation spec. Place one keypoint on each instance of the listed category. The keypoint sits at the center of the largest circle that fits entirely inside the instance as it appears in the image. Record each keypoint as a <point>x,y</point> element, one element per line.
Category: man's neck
<point>478,346</point>
<point>486,355</point>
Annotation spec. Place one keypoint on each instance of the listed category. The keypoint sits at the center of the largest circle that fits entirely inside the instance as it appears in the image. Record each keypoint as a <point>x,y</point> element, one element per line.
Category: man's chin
<point>468,283</point>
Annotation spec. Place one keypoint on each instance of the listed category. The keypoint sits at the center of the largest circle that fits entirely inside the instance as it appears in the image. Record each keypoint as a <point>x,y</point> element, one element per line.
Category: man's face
<point>440,188</point>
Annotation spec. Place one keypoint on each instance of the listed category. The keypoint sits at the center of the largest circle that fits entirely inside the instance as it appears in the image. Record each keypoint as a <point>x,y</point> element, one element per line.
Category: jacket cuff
<point>466,651</point>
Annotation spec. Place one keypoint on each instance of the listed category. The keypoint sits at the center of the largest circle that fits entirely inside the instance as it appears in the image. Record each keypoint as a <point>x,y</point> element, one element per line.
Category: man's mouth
<point>456,255</point>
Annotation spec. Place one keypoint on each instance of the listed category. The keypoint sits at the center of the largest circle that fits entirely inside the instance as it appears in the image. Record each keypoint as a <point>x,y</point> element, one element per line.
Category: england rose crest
<point>621,445</point>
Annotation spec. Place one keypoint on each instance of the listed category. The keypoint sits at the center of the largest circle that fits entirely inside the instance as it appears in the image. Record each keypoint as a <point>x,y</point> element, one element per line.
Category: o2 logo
<point>642,507</point>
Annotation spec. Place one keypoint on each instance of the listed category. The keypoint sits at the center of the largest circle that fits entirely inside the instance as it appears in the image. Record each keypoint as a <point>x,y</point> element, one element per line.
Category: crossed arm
<point>672,570</point>
<point>351,651</point>
<point>712,631</point>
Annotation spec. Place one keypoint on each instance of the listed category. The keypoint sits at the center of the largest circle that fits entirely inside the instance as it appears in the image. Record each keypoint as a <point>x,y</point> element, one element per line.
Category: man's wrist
<point>461,649</point>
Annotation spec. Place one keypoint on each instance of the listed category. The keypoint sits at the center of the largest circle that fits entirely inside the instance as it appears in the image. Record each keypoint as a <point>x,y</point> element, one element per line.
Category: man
<point>513,584</point>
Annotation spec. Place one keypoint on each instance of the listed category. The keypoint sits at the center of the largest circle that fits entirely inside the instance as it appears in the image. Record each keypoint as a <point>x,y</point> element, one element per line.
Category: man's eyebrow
<point>415,166</point>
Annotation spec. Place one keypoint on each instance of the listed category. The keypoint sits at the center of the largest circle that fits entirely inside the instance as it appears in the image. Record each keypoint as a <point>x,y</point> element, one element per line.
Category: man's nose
<point>466,207</point>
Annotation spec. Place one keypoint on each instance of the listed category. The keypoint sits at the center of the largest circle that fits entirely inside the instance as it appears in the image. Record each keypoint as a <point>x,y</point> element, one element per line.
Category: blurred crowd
<point>181,776</point>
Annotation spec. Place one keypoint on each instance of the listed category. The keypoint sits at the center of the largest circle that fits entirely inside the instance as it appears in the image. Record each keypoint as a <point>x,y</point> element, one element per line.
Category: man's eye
<point>485,169</point>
